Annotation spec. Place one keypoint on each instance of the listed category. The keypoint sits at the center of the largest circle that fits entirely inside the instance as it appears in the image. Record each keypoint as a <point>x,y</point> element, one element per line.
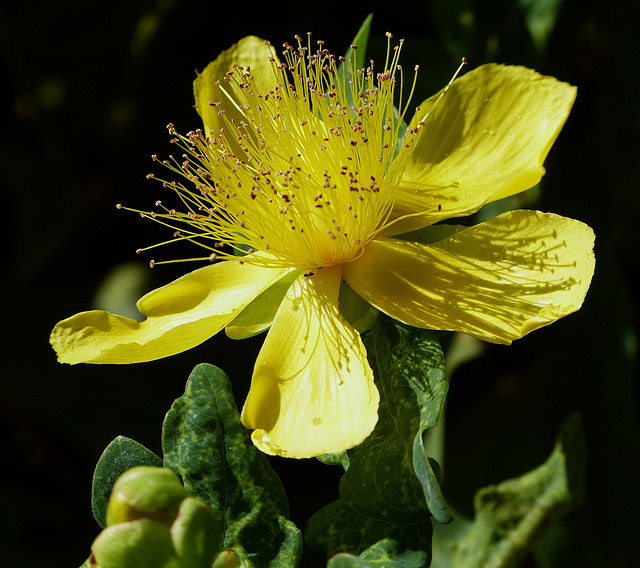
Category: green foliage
<point>389,476</point>
<point>353,539</point>
<point>119,456</point>
<point>205,443</point>
<point>512,515</point>
<point>358,56</point>
<point>388,492</point>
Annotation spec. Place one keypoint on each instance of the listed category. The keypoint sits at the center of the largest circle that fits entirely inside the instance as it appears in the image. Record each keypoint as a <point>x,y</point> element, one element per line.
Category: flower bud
<point>137,544</point>
<point>153,493</point>
<point>197,534</point>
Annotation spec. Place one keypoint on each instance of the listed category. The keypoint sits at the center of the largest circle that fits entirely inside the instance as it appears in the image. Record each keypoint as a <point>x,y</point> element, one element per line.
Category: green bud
<point>138,544</point>
<point>146,492</point>
<point>197,534</point>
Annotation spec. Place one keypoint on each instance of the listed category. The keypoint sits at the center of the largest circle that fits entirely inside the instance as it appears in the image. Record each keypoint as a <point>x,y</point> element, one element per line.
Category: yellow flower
<point>320,192</point>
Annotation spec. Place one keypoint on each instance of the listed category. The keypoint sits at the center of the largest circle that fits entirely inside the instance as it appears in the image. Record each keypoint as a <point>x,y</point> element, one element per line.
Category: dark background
<point>86,91</point>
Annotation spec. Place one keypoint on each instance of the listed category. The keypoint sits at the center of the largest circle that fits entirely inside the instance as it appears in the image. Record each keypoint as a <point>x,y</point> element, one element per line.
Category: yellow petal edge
<point>180,315</point>
<point>486,138</point>
<point>497,281</point>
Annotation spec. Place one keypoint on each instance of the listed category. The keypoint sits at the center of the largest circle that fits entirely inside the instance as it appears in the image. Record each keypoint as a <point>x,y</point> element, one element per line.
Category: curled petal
<point>312,390</point>
<point>210,86</point>
<point>498,280</point>
<point>180,315</point>
<point>486,139</point>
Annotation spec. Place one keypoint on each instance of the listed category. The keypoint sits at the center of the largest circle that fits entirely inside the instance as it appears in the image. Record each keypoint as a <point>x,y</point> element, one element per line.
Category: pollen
<point>304,173</point>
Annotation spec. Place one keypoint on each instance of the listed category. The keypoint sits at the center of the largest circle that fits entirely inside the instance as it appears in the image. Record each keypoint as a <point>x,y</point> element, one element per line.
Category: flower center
<point>308,172</point>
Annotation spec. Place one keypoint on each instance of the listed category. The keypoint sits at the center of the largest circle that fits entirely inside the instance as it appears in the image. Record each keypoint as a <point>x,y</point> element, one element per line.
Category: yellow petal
<point>497,281</point>
<point>486,139</point>
<point>312,390</point>
<point>249,52</point>
<point>180,315</point>
<point>258,315</point>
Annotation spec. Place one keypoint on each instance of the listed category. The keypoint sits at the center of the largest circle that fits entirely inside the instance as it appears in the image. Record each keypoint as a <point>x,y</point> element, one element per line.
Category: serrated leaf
<point>512,515</point>
<point>352,539</point>
<point>119,456</point>
<point>389,476</point>
<point>206,444</point>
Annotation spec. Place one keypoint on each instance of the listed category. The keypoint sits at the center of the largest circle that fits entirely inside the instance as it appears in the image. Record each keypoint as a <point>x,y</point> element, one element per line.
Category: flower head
<point>308,169</point>
<point>301,166</point>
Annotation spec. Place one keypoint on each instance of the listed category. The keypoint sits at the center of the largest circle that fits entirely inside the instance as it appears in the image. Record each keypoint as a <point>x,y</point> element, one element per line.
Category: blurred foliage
<point>87,91</point>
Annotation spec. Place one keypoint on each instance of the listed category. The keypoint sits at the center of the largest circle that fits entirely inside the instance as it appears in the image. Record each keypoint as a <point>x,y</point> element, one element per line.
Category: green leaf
<point>389,476</point>
<point>206,444</point>
<point>380,555</point>
<point>119,456</point>
<point>512,515</point>
<point>359,540</point>
<point>358,56</point>
<point>352,539</point>
<point>341,459</point>
<point>360,40</point>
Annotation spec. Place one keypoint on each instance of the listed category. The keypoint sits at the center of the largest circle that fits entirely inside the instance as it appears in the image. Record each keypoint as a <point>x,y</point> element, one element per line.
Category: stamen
<point>295,171</point>
<point>444,91</point>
